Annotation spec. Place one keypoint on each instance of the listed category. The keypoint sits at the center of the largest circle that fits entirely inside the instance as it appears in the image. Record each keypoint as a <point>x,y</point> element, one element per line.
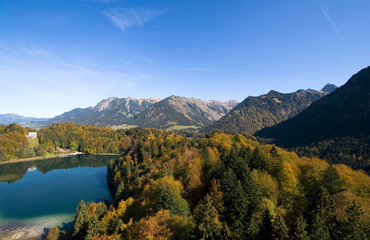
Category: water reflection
<point>46,192</point>
<point>12,172</point>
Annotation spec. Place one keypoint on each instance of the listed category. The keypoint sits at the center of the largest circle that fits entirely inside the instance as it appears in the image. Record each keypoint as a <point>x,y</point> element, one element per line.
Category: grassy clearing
<point>123,126</point>
<point>33,142</point>
<point>180,127</point>
<point>48,155</point>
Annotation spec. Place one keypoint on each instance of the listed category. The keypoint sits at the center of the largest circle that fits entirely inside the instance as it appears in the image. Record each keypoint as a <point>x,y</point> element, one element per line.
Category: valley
<point>184,120</point>
<point>158,176</point>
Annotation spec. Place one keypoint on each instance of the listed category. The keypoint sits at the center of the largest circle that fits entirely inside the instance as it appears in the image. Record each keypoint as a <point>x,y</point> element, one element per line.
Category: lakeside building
<point>32,134</point>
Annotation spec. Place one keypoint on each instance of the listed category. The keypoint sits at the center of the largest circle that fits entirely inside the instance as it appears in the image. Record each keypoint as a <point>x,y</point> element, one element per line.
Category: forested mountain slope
<point>336,127</point>
<point>255,113</point>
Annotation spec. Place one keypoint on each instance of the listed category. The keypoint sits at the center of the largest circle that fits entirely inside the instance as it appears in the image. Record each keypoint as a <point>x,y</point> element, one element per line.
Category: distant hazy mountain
<point>179,112</point>
<point>15,118</point>
<point>329,88</point>
<point>337,124</point>
<point>109,112</point>
<point>255,113</point>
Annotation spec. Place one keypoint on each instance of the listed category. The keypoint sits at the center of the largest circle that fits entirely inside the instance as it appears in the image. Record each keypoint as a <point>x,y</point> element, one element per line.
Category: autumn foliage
<point>224,186</point>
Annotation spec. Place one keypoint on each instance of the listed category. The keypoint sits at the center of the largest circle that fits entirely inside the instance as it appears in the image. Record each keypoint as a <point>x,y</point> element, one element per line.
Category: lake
<point>46,192</point>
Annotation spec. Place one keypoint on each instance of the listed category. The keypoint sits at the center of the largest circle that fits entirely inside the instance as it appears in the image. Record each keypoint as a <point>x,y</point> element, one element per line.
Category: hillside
<point>14,143</point>
<point>165,186</point>
<point>180,112</point>
<point>109,112</point>
<point>332,120</point>
<point>255,113</point>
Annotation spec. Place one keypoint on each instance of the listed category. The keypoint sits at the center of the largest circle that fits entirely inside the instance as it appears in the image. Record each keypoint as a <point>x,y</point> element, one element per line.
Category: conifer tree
<point>355,229</point>
<point>280,230</point>
<point>332,181</point>
<point>208,224</point>
<point>258,160</point>
<point>236,202</point>
<point>325,223</point>
<point>266,229</point>
<point>300,232</point>
<point>319,228</point>
<point>167,200</point>
<point>80,220</point>
<point>93,226</point>
<point>119,192</point>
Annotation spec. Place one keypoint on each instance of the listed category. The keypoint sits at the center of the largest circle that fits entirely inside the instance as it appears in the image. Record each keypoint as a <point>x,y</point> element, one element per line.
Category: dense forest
<point>218,186</point>
<point>14,143</point>
<point>222,186</point>
<point>352,151</point>
<point>82,138</point>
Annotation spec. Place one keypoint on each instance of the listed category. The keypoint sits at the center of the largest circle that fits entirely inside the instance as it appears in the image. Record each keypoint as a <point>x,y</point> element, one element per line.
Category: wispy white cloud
<point>38,52</point>
<point>127,17</point>
<point>326,15</point>
<point>27,79</point>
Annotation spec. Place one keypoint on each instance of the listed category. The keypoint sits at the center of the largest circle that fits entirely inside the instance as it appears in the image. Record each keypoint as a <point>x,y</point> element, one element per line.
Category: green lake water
<point>48,191</point>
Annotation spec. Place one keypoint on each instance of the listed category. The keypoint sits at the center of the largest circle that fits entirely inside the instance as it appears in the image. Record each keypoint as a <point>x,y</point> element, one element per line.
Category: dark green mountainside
<point>255,113</point>
<point>179,112</point>
<point>329,123</point>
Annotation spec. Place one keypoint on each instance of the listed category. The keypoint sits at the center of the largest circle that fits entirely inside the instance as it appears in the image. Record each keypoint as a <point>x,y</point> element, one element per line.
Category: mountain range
<point>173,112</point>
<point>336,127</point>
<point>15,118</point>
<point>177,112</point>
<point>344,112</point>
<point>255,113</point>
<point>109,112</point>
<point>180,112</point>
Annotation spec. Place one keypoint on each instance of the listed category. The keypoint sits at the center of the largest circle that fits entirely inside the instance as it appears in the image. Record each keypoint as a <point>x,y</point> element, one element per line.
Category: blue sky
<point>56,55</point>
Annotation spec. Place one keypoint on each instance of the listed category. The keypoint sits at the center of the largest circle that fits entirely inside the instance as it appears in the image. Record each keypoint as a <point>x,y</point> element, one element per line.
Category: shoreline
<point>41,158</point>
<point>56,156</point>
<point>37,230</point>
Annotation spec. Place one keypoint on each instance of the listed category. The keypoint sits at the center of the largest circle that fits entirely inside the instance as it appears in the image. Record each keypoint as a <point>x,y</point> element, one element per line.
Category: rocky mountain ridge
<point>108,112</point>
<point>176,111</point>
<point>255,113</point>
